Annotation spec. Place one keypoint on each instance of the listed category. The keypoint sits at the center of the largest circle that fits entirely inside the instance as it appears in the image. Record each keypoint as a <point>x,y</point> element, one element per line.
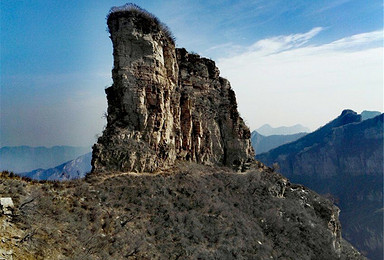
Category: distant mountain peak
<point>26,158</point>
<point>73,169</point>
<point>348,111</point>
<point>347,116</point>
<point>350,116</point>
<point>369,114</point>
<point>267,130</point>
<point>262,144</point>
<point>343,158</point>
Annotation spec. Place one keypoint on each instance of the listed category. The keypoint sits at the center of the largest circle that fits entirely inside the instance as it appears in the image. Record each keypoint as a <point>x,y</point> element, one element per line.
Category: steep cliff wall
<point>165,104</point>
<point>346,146</point>
<point>343,159</point>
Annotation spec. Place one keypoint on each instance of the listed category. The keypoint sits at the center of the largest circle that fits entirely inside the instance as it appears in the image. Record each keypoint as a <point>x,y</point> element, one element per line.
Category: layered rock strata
<point>165,104</point>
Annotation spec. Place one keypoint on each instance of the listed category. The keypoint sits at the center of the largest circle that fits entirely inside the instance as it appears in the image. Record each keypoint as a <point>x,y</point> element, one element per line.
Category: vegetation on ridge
<point>147,20</point>
<point>191,212</point>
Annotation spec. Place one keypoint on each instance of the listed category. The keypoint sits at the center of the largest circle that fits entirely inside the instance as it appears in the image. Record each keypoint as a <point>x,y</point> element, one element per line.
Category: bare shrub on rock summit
<point>147,19</point>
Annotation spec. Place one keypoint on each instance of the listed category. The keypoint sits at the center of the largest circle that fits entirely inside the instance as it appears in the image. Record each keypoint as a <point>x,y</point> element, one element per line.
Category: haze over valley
<point>280,58</point>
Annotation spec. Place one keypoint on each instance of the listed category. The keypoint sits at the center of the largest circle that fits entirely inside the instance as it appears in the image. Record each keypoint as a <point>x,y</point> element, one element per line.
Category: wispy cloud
<point>289,77</point>
<point>358,40</point>
<point>264,47</point>
<point>332,5</point>
<point>282,43</point>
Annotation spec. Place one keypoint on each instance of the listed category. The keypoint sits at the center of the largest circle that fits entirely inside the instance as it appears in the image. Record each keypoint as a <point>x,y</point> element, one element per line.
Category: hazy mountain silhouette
<point>369,114</point>
<point>262,144</point>
<point>73,169</point>
<point>25,158</point>
<point>267,130</point>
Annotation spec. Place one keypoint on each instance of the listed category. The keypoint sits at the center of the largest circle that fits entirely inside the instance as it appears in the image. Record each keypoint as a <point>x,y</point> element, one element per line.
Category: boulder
<point>6,205</point>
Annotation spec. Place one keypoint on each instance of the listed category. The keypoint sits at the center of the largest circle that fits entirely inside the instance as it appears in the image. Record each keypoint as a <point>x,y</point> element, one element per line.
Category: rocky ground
<point>188,212</point>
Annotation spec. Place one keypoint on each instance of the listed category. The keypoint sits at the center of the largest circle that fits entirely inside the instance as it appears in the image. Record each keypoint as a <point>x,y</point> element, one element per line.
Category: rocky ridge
<point>344,161</point>
<point>345,146</point>
<point>191,212</point>
<point>26,158</point>
<point>73,169</point>
<point>165,104</point>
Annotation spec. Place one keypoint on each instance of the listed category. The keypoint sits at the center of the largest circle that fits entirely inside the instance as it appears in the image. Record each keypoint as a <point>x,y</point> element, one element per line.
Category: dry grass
<point>191,212</point>
<point>147,19</point>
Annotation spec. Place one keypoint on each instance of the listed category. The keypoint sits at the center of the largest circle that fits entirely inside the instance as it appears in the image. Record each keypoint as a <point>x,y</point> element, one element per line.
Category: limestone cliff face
<point>165,104</point>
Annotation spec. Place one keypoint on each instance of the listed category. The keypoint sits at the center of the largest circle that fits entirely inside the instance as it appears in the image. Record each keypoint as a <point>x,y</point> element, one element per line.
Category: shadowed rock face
<point>166,104</point>
<point>346,146</point>
<point>344,161</point>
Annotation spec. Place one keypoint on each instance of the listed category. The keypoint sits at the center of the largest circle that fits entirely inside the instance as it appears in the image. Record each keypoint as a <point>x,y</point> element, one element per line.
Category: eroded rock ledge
<point>166,104</point>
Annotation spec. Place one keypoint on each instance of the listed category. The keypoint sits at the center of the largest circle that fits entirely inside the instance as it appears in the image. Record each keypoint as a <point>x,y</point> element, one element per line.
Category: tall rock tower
<point>165,104</point>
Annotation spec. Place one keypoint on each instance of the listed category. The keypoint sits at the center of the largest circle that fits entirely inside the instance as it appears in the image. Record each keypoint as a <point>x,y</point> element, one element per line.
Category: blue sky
<point>289,62</point>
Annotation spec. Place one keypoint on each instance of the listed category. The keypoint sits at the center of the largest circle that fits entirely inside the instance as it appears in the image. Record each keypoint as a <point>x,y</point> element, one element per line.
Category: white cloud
<point>282,43</point>
<point>284,80</point>
<point>263,47</point>
<point>357,40</point>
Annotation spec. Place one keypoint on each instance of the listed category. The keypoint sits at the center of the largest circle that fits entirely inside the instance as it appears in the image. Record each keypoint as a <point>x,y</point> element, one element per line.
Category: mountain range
<point>262,144</point>
<point>73,169</point>
<point>344,161</point>
<point>25,158</point>
<point>267,130</point>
